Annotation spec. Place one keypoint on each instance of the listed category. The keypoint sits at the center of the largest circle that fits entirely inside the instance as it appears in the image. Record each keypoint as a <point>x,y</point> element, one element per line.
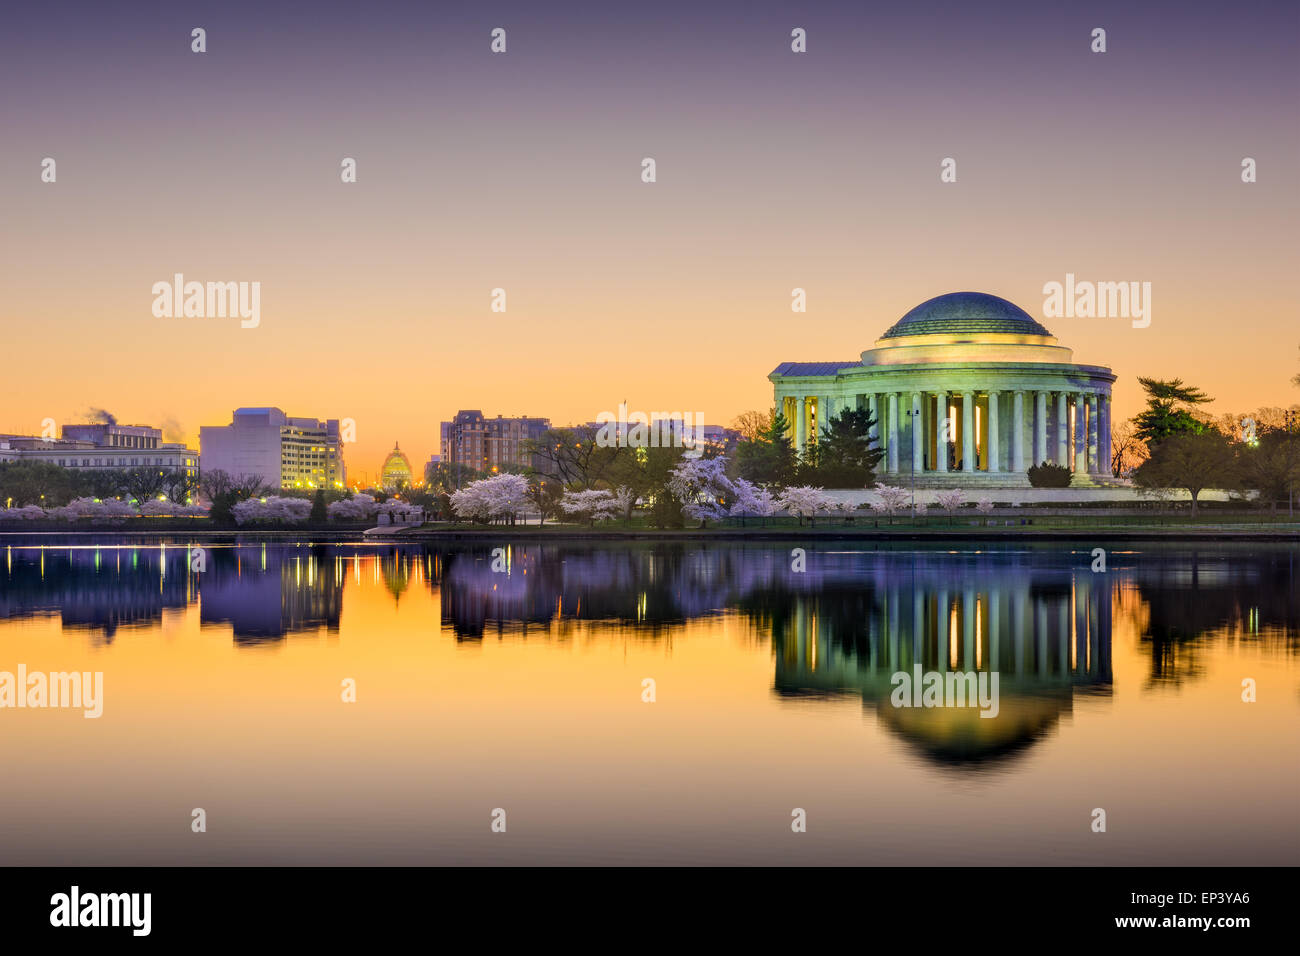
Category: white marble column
<point>1062,430</point>
<point>873,407</point>
<point>1094,446</point>
<point>968,431</point>
<point>995,449</point>
<point>941,431</point>
<point>891,450</point>
<point>915,428</point>
<point>1109,451</point>
<point>1080,436</point>
<point>800,424</point>
<point>1040,428</point>
<point>1018,432</point>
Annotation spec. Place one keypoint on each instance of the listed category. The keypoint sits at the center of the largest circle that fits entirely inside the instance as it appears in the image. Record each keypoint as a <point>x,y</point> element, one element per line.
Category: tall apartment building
<point>302,453</point>
<point>485,443</point>
<point>102,446</point>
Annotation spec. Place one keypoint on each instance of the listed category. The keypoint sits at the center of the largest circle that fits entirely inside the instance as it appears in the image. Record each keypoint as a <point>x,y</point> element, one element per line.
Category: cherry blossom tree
<point>892,499</point>
<point>357,508</point>
<point>751,500</point>
<point>592,505</point>
<point>848,510</point>
<point>702,485</point>
<point>805,501</point>
<point>950,501</point>
<point>625,499</point>
<point>24,513</point>
<point>500,497</point>
<point>272,509</point>
<point>95,509</point>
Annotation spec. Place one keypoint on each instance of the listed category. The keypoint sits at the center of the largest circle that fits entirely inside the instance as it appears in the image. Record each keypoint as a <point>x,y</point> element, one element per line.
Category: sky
<point>522,171</point>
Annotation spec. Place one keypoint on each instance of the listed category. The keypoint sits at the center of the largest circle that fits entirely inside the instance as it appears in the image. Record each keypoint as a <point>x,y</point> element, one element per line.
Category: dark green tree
<point>1168,411</point>
<point>545,496</point>
<point>1048,475</point>
<point>319,515</point>
<point>1191,461</point>
<point>99,483</point>
<point>845,455</point>
<point>36,483</point>
<point>447,477</point>
<point>1272,467</point>
<point>769,458</point>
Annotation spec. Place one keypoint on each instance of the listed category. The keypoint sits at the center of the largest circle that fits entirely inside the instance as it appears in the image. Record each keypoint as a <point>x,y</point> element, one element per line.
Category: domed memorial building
<point>967,390</point>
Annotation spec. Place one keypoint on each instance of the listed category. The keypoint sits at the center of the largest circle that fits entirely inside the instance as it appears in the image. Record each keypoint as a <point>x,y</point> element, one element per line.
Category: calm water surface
<point>523,689</point>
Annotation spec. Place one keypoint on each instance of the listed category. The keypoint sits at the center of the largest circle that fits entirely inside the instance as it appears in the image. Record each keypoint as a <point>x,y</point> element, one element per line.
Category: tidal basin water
<point>522,689</point>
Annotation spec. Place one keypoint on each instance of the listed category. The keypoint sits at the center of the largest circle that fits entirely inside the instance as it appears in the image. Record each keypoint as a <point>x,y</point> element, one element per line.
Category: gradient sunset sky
<point>522,171</point>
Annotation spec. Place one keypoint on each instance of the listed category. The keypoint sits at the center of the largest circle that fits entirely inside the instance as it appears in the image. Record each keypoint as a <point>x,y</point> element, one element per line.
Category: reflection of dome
<point>966,313</point>
<point>960,736</point>
<point>397,469</point>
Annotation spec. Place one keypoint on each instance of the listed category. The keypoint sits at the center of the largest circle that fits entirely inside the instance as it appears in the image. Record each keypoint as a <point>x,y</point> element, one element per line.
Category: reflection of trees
<point>854,609</point>
<point>1242,592</point>
<point>267,591</point>
<point>95,589</point>
<point>844,625</point>
<point>652,588</point>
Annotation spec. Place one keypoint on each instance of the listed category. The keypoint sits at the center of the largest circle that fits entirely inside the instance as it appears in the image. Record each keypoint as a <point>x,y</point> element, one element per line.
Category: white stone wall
<point>1118,496</point>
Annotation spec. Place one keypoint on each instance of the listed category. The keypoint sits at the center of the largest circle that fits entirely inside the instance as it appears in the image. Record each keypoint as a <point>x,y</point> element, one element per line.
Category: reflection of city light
<point>952,637</point>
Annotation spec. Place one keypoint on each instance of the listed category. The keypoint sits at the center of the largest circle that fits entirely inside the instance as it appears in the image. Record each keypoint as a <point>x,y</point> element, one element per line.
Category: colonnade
<point>971,430</point>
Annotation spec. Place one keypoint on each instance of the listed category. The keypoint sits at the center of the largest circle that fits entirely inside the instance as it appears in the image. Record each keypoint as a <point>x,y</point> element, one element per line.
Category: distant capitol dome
<point>396,471</point>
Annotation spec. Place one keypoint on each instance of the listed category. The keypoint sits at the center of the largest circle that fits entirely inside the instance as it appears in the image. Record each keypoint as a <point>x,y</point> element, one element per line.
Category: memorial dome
<point>966,313</point>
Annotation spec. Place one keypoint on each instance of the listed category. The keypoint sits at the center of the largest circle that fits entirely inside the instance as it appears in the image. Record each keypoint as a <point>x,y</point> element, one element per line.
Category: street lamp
<point>913,414</point>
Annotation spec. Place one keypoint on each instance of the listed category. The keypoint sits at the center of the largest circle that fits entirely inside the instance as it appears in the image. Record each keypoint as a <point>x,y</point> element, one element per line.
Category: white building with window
<point>102,446</point>
<point>286,453</point>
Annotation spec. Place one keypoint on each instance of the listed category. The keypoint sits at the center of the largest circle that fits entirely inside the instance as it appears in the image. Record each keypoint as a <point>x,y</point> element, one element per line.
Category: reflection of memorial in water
<point>265,593</point>
<point>98,589</point>
<point>1045,630</point>
<point>649,588</point>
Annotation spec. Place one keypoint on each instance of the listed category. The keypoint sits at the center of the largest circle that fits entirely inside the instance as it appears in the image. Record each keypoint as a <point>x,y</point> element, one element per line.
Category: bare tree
<point>145,483</point>
<point>180,485</point>
<point>752,424</point>
<point>1127,451</point>
<point>217,484</point>
<point>573,457</point>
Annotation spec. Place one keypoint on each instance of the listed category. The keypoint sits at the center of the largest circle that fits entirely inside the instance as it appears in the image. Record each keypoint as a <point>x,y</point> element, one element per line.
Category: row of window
<point>120,462</point>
